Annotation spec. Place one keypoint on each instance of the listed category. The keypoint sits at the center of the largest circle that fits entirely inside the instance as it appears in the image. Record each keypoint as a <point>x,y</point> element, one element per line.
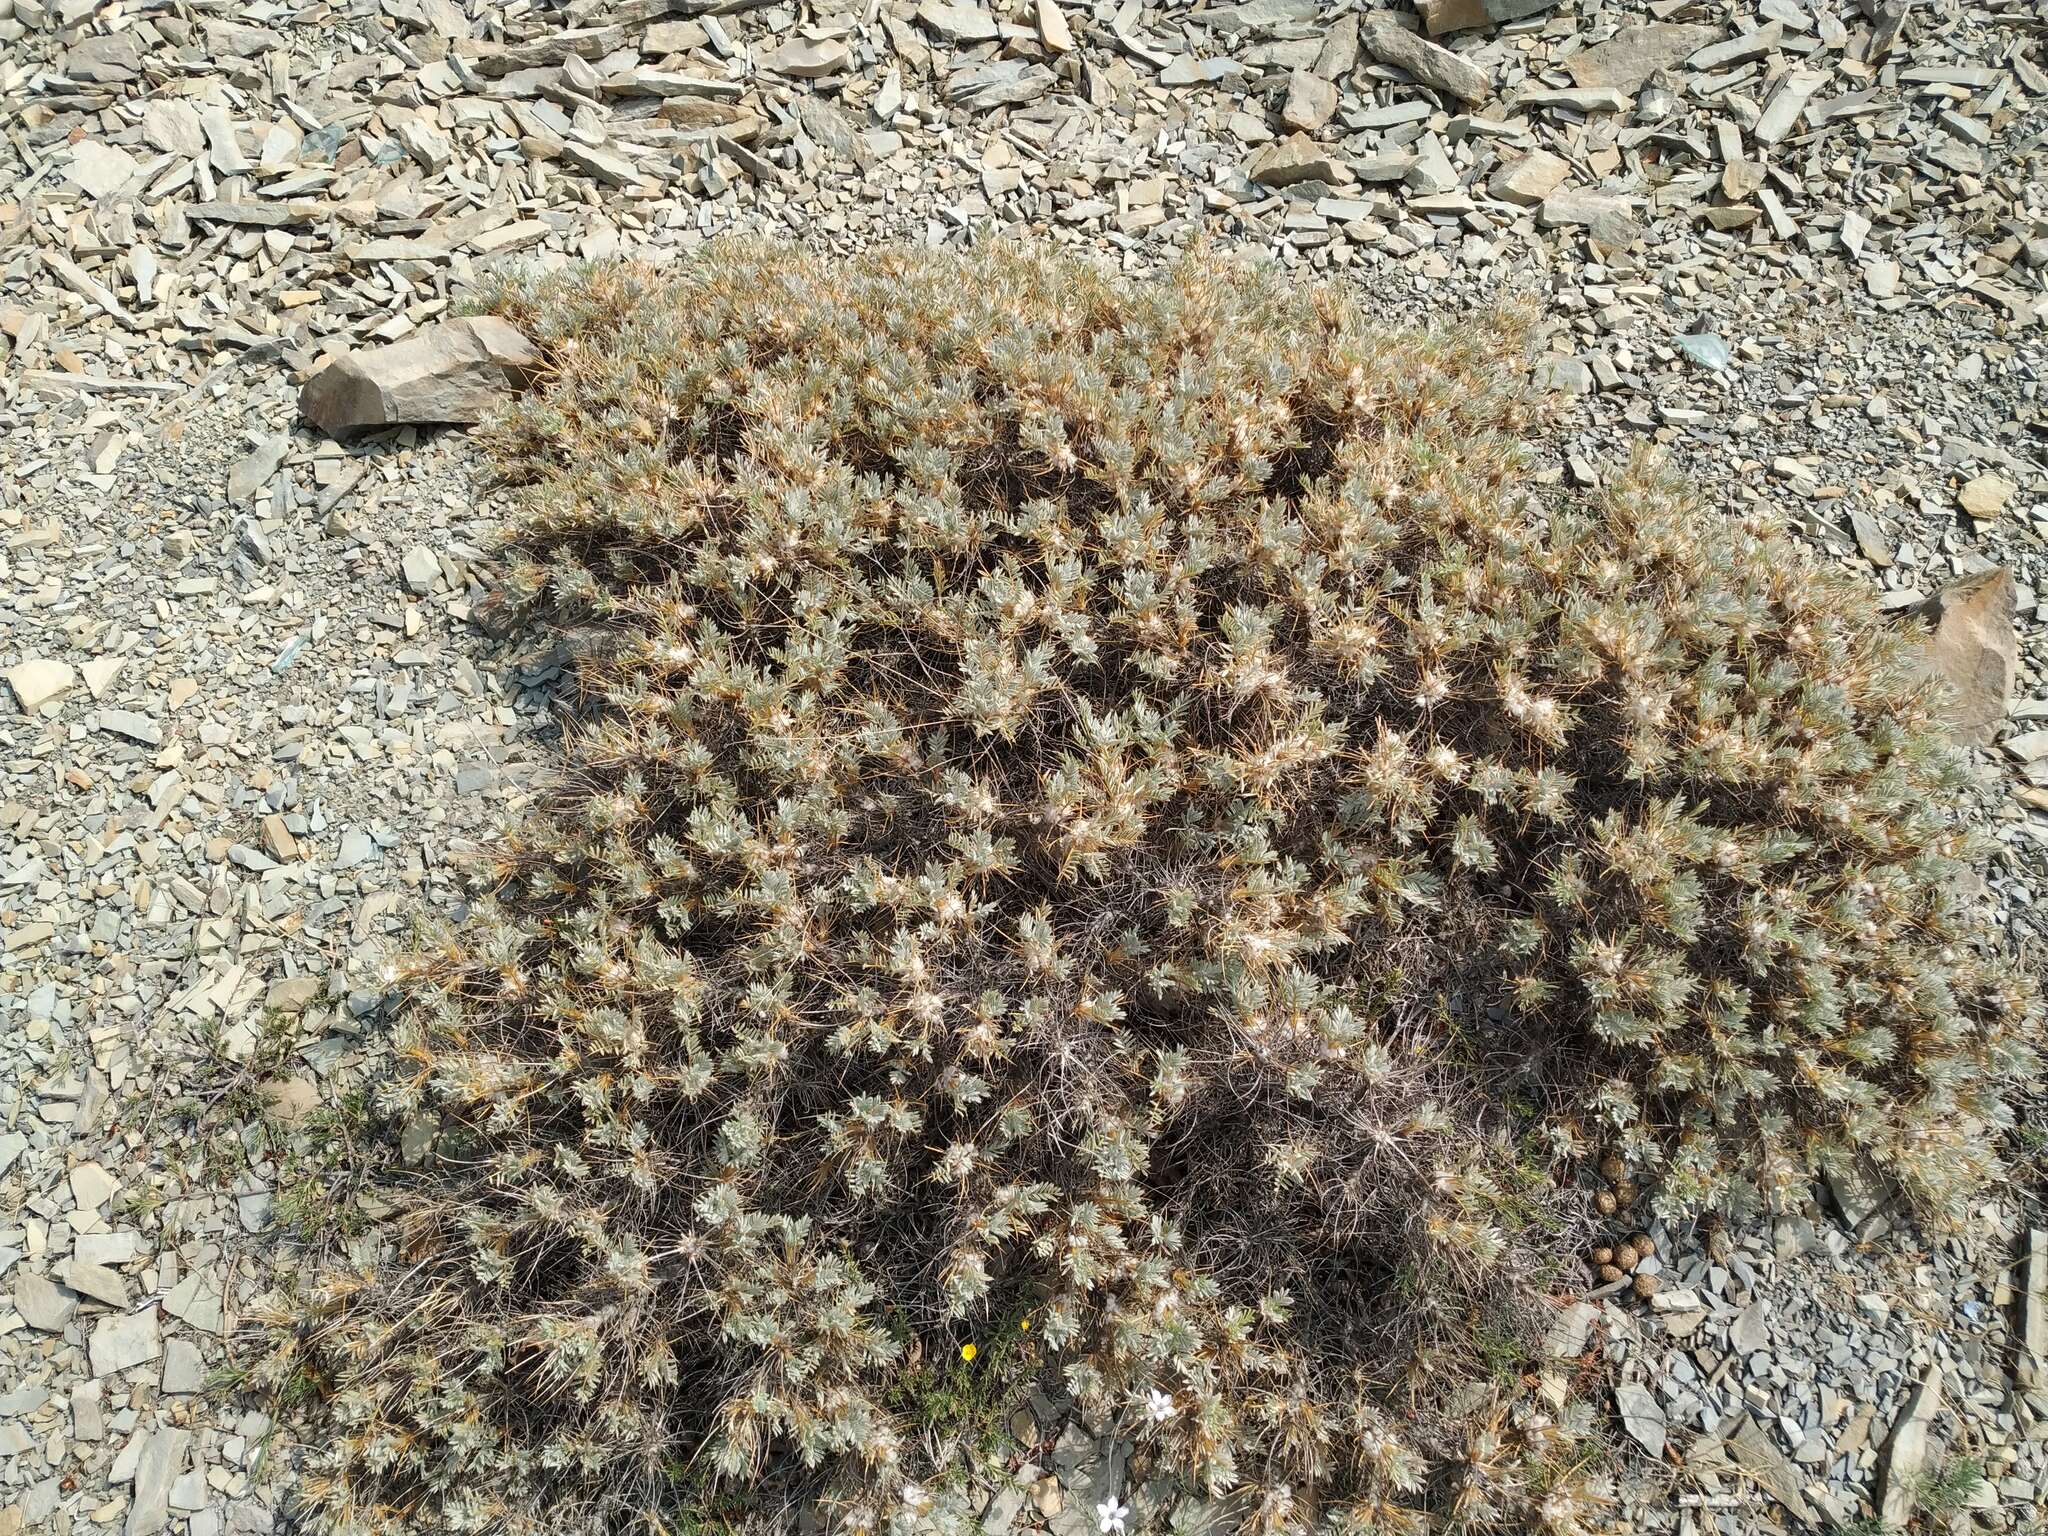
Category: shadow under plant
<point>1109,843</point>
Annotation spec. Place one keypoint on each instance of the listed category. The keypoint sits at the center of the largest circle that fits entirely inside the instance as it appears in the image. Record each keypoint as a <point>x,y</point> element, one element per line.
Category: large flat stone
<point>43,1305</point>
<point>1905,1453</point>
<point>1431,63</point>
<point>36,682</point>
<point>2030,1368</point>
<point>161,1462</point>
<point>1634,54</point>
<point>1442,16</point>
<point>1975,650</point>
<point>1750,1447</point>
<point>454,372</point>
<point>1642,1416</point>
<point>124,1340</point>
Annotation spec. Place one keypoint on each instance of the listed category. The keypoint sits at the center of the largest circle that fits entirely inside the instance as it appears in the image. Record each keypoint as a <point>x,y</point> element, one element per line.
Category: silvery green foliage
<point>1113,806</point>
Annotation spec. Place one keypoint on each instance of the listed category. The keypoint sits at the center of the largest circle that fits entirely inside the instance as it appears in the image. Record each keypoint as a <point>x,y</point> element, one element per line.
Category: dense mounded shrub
<point>1108,819</point>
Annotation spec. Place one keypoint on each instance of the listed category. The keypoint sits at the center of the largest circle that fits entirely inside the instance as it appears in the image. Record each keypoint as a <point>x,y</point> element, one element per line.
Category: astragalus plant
<point>1115,809</point>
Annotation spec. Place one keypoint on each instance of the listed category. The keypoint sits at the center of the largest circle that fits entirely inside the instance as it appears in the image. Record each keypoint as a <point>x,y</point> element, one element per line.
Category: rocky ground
<point>252,728</point>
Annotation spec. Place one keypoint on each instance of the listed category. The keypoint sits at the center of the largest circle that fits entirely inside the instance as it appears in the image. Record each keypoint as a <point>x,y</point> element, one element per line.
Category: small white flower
<point>915,1499</point>
<point>1110,1516</point>
<point>1160,1406</point>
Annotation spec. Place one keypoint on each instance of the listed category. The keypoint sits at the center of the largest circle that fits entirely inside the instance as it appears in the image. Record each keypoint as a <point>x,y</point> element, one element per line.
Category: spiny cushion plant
<point>1113,807</point>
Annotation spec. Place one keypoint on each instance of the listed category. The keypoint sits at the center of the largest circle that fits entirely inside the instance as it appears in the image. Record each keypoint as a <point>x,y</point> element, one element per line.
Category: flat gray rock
<point>1431,63</point>
<point>2030,1369</point>
<point>184,1368</point>
<point>156,1470</point>
<point>1905,1452</point>
<point>253,471</point>
<point>1751,1448</point>
<point>1635,53</point>
<point>137,727</point>
<point>125,1340</point>
<point>1642,1416</point>
<point>454,372</point>
<point>97,1281</point>
<point>43,1305</point>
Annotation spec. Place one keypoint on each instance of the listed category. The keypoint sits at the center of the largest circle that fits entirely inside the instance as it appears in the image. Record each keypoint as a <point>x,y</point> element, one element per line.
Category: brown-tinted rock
<point>451,372</point>
<point>37,681</point>
<point>292,994</point>
<point>1442,16</point>
<point>1975,650</point>
<point>1742,179</point>
<point>1311,101</point>
<point>1295,158</point>
<point>1053,30</point>
<point>1529,178</point>
<point>1985,496</point>
<point>291,1099</point>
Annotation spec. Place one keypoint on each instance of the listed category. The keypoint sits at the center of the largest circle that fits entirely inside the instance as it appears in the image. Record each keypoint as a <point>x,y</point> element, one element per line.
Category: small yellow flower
<point>1025,1325</point>
<point>966,1351</point>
